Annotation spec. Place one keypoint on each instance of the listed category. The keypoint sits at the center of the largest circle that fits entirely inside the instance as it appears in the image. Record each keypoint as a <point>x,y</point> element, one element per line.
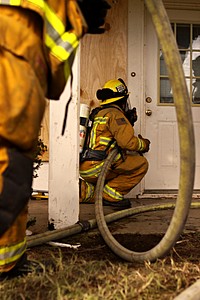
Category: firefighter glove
<point>131,115</point>
<point>145,144</point>
<point>94,12</point>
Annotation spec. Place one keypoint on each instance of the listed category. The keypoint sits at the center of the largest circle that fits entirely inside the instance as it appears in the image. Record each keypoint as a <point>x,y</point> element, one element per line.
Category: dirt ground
<point>138,233</point>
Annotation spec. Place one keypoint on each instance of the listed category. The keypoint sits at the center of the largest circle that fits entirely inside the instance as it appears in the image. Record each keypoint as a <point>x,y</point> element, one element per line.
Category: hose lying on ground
<point>42,238</point>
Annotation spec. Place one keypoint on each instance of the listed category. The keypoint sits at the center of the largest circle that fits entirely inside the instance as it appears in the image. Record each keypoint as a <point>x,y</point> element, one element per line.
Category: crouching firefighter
<point>112,127</point>
<point>38,43</point>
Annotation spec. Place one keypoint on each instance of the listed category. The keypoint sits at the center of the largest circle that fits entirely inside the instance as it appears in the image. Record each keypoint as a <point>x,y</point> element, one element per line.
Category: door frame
<point>135,70</point>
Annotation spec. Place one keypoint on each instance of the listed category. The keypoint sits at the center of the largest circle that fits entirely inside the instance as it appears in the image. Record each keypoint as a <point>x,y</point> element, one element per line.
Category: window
<point>188,41</point>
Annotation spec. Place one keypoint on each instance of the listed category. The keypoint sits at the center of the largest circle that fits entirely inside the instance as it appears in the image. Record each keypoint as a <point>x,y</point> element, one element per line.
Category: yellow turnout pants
<point>22,105</point>
<point>120,179</point>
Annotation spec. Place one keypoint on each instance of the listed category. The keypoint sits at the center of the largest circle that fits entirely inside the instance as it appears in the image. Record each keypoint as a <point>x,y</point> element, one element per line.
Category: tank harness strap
<point>88,153</point>
<point>97,155</point>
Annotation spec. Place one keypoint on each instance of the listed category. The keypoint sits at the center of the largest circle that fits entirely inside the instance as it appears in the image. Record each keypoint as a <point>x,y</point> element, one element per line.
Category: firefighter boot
<point>122,204</point>
<point>24,266</point>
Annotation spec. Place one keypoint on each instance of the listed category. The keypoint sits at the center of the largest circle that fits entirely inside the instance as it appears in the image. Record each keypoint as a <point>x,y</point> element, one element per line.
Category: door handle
<point>148,112</point>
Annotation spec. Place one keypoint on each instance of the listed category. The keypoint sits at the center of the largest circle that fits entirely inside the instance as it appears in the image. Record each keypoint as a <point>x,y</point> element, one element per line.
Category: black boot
<point>22,268</point>
<point>122,204</point>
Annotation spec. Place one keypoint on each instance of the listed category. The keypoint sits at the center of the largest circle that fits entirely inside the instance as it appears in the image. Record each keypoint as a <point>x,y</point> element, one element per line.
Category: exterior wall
<point>104,57</point>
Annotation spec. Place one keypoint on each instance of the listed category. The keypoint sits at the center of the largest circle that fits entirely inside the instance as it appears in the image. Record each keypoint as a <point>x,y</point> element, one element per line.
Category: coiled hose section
<point>187,152</point>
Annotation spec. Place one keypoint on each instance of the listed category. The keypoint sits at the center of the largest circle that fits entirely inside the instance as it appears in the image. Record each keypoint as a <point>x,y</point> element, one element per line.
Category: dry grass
<point>78,277</point>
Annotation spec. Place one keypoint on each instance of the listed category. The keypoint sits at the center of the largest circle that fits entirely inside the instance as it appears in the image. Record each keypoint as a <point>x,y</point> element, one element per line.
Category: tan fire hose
<point>187,152</point>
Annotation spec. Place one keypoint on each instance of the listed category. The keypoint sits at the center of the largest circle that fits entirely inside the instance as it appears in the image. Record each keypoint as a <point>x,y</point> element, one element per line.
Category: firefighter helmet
<point>112,91</point>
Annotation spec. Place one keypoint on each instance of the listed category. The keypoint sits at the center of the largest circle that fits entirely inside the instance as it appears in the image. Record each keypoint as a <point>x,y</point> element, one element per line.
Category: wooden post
<point>63,157</point>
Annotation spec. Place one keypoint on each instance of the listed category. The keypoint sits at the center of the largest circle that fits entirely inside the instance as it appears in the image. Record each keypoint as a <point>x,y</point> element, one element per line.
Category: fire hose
<point>187,152</point>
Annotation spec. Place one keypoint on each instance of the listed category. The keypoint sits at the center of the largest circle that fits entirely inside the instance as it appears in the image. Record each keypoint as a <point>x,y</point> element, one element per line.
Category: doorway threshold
<point>164,194</point>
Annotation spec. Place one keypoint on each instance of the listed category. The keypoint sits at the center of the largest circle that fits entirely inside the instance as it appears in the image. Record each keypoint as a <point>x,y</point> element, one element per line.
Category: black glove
<point>131,115</point>
<point>94,12</point>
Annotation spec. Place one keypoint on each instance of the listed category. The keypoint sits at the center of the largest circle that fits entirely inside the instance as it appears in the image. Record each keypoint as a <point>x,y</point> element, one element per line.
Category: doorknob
<point>148,112</point>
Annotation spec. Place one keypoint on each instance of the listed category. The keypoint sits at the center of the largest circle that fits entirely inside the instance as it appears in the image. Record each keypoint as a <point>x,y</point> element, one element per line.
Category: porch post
<point>63,205</point>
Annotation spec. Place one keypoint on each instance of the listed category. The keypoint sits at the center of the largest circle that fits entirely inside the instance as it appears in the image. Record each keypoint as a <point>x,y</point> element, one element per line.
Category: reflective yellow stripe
<point>53,19</point>
<point>118,156</point>
<point>100,120</point>
<point>104,140</point>
<point>97,121</point>
<point>12,253</point>
<point>141,145</point>
<point>93,172</point>
<point>15,2</point>
<point>11,2</point>
<point>89,192</point>
<point>64,47</point>
<point>40,3</point>
<point>112,193</point>
<point>61,44</point>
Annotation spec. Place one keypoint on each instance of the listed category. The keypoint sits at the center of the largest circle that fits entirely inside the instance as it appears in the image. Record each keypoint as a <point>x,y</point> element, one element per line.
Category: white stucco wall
<point>41,183</point>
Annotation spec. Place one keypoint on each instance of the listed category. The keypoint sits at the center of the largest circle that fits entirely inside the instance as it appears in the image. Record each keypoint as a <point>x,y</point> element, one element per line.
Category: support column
<point>63,157</point>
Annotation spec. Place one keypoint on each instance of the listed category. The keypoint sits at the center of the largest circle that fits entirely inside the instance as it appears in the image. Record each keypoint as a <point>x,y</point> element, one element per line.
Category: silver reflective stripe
<point>12,253</point>
<point>54,35</point>
<point>112,193</point>
<point>61,46</point>
<point>51,31</point>
<point>5,2</point>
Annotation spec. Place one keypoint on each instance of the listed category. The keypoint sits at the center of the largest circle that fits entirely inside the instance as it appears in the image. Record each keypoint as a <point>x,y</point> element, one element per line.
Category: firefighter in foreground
<point>111,127</point>
<point>38,42</point>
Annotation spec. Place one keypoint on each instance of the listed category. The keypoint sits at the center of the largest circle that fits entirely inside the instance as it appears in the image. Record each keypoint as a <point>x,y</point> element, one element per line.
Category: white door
<point>160,115</point>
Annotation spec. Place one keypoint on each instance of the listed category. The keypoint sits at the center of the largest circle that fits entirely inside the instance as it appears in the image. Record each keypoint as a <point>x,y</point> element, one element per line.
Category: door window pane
<point>196,91</point>
<point>166,92</point>
<point>195,36</point>
<point>183,35</point>
<point>163,69</point>
<point>188,41</point>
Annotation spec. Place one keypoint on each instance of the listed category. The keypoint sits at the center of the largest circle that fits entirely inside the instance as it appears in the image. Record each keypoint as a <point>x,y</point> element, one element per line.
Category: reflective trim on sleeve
<point>12,253</point>
<point>40,3</point>
<point>11,2</point>
<point>63,48</point>
<point>61,44</point>
<point>112,193</point>
<point>141,145</point>
<point>105,141</point>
